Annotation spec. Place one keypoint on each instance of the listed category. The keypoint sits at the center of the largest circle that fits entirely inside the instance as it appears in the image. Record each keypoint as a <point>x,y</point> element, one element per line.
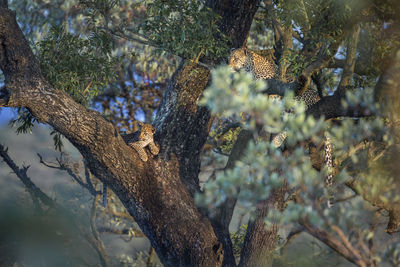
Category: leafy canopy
<point>187,28</point>
<point>82,67</point>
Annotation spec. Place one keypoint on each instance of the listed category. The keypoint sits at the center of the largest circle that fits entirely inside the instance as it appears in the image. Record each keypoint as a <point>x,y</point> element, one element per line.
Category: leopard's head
<point>146,130</point>
<point>237,58</point>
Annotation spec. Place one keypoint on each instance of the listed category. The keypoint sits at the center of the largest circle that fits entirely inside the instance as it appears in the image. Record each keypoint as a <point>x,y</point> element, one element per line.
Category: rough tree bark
<point>260,241</point>
<point>157,193</point>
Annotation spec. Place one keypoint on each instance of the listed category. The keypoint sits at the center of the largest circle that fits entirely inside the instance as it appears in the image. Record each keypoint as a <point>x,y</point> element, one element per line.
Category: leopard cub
<point>140,141</point>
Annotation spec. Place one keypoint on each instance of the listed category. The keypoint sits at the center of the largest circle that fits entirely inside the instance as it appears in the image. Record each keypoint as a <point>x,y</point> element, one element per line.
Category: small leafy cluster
<point>296,62</point>
<point>25,121</point>
<point>224,139</point>
<point>82,67</point>
<point>238,239</point>
<point>186,28</point>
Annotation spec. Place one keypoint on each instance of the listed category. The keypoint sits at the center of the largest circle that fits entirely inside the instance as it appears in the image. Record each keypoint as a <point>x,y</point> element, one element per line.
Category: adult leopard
<point>263,68</point>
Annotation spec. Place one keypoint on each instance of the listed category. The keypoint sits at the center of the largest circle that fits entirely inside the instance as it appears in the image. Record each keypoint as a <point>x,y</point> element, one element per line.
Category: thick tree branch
<point>182,125</point>
<point>260,239</point>
<point>221,216</point>
<point>360,68</point>
<point>387,88</point>
<point>392,207</point>
<point>350,61</point>
<point>63,167</point>
<point>4,3</point>
<point>152,192</point>
<point>332,107</point>
<point>237,17</point>
<point>157,193</point>
<point>347,251</point>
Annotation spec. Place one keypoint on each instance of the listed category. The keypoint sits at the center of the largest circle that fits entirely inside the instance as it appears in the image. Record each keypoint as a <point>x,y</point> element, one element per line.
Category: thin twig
<point>346,241</point>
<point>336,245</point>
<point>95,238</point>
<point>77,178</point>
<point>345,198</point>
<point>22,175</point>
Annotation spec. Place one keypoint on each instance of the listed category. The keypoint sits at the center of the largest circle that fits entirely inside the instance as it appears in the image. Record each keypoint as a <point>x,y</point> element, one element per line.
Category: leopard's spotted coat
<point>263,68</point>
<point>145,139</point>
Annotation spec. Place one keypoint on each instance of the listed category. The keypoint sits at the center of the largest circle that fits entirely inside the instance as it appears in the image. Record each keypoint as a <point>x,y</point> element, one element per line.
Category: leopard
<point>138,141</point>
<point>328,161</point>
<point>264,68</point>
<point>251,62</point>
<point>145,138</point>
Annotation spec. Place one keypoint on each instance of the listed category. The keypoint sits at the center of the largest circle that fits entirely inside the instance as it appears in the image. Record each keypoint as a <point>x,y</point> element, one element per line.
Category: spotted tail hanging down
<point>329,164</point>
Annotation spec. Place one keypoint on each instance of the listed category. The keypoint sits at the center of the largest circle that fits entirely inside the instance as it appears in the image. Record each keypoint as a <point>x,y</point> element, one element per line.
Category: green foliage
<point>263,166</point>
<point>82,67</point>
<point>99,7</point>
<point>296,62</point>
<point>186,28</point>
<point>42,14</point>
<point>144,69</point>
<point>57,140</point>
<point>231,94</point>
<point>225,140</point>
<point>25,121</point>
<point>238,239</point>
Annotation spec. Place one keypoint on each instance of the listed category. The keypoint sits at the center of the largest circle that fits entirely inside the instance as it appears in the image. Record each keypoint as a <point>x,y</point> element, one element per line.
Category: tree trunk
<point>157,193</point>
<point>260,241</point>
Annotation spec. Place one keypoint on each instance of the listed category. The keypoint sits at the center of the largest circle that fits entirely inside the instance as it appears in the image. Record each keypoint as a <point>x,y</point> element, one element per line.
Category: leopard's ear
<point>140,123</point>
